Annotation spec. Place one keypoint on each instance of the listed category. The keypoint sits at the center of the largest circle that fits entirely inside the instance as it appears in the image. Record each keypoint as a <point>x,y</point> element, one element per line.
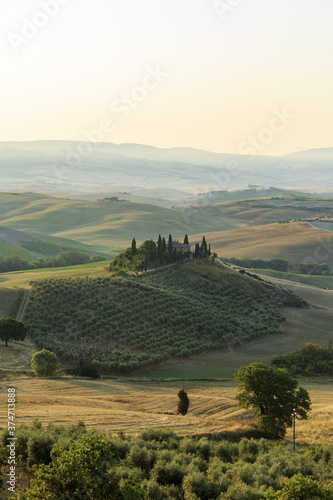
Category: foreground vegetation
<point>72,462</point>
<point>283,265</point>
<point>125,323</point>
<point>313,360</point>
<point>63,259</point>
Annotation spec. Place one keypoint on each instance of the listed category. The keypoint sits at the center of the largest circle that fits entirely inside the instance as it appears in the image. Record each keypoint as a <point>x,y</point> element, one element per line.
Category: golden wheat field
<point>114,405</point>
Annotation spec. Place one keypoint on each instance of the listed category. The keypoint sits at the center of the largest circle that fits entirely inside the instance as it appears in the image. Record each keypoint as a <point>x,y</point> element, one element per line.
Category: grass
<point>312,324</point>
<point>131,406</point>
<point>325,282</point>
<point>21,279</point>
<point>17,356</point>
<point>295,242</point>
<point>102,224</point>
<point>8,250</point>
<point>10,301</point>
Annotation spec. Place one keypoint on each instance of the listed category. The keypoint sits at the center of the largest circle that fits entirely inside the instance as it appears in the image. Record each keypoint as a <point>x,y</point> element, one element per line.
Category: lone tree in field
<point>44,363</point>
<point>273,394</point>
<point>183,402</point>
<point>11,329</point>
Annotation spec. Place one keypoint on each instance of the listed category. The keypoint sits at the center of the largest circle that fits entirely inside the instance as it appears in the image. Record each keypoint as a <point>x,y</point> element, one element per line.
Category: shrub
<point>44,363</point>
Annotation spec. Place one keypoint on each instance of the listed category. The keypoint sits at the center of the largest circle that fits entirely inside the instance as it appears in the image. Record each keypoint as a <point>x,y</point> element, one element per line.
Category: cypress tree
<point>197,250</point>
<point>133,247</point>
<point>152,251</point>
<point>159,246</point>
<point>186,240</point>
<point>170,248</point>
<point>183,402</point>
<point>204,245</point>
<point>209,250</point>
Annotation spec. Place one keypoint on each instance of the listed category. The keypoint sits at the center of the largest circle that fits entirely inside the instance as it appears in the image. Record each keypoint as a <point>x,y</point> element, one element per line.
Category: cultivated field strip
<point>115,405</point>
<point>131,406</point>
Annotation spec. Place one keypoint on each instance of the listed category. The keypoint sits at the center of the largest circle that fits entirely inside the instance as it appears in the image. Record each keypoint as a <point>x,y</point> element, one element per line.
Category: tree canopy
<point>44,363</point>
<point>11,329</point>
<point>273,394</point>
<point>183,403</point>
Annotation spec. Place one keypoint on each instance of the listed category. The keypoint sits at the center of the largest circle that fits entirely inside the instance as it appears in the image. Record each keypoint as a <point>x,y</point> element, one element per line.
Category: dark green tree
<point>204,245</point>
<point>133,246</point>
<point>183,402</point>
<point>186,240</point>
<point>11,329</point>
<point>170,248</point>
<point>163,245</point>
<point>44,363</point>
<point>197,250</point>
<point>152,251</point>
<point>273,394</point>
<point>209,250</point>
<point>159,246</point>
<point>301,487</point>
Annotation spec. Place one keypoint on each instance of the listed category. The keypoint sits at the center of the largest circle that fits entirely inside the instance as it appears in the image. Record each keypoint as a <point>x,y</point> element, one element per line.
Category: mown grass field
<point>131,406</point>
<point>294,242</point>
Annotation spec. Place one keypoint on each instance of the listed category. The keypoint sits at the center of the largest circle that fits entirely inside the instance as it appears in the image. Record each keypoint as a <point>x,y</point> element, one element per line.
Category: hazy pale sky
<point>221,75</point>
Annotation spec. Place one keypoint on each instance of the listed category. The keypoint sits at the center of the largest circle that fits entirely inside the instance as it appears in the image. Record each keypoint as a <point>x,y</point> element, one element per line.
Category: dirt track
<point>23,305</point>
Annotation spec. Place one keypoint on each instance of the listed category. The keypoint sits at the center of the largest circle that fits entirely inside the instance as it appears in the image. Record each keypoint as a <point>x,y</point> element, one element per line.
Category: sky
<point>227,76</point>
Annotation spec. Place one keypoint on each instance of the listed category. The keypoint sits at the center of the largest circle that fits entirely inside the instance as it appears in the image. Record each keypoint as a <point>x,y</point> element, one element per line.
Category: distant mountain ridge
<point>84,167</point>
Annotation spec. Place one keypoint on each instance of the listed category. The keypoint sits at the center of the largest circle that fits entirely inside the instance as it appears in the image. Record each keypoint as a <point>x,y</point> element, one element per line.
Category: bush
<point>300,487</point>
<point>87,371</point>
<point>44,363</point>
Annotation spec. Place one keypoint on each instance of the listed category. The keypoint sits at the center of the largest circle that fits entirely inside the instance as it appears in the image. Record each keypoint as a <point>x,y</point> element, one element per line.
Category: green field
<point>325,282</point>
<point>21,279</point>
<point>10,301</point>
<point>103,225</point>
<point>7,250</point>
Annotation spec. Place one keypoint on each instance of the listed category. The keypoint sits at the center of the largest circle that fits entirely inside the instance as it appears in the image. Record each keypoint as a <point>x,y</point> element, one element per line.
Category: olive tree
<point>11,329</point>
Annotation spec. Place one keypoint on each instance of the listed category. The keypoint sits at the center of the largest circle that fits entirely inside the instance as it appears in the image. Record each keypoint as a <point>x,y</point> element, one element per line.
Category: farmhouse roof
<point>177,244</point>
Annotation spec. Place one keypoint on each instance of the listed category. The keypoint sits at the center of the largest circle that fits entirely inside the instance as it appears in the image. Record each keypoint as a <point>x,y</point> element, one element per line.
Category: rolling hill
<point>296,242</point>
<point>105,225</point>
<point>30,248</point>
<point>139,322</point>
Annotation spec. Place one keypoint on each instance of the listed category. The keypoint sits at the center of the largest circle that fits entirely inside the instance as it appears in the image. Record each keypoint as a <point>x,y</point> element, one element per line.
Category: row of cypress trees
<point>162,253</point>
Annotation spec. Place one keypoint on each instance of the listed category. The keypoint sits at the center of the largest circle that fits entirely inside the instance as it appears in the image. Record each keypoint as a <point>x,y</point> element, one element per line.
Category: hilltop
<point>136,322</point>
<point>295,242</point>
